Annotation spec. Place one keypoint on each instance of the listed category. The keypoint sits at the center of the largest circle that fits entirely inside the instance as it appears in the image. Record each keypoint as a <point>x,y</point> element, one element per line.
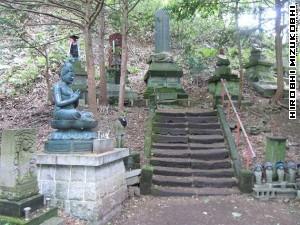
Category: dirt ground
<point>228,210</point>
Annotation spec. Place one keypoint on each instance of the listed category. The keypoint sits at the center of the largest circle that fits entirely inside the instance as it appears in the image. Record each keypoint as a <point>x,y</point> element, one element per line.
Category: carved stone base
<point>68,146</point>
<point>15,208</point>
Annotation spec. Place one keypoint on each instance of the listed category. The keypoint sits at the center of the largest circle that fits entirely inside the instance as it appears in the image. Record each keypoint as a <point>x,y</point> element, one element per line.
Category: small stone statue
<point>280,171</point>
<point>269,172</point>
<point>120,126</point>
<point>66,101</point>
<point>292,170</point>
<point>258,174</point>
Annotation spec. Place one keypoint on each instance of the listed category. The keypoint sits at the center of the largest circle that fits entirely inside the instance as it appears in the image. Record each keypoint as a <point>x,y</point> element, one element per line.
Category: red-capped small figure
<point>74,47</point>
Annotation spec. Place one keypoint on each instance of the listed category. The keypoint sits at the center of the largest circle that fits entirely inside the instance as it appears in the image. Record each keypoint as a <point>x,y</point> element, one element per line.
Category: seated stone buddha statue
<point>66,116</point>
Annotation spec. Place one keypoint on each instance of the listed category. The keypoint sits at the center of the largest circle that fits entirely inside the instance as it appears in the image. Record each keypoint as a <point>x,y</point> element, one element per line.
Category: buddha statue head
<point>67,73</point>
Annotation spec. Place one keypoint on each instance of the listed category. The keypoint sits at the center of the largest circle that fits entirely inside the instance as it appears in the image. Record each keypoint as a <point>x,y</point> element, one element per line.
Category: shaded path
<point>225,210</point>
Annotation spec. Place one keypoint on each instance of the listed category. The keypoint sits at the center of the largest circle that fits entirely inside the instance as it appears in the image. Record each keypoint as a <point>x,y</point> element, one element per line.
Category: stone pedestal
<point>70,141</point>
<point>87,186</point>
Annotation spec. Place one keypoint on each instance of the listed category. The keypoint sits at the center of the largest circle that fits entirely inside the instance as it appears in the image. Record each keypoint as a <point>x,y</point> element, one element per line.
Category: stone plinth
<point>87,186</point>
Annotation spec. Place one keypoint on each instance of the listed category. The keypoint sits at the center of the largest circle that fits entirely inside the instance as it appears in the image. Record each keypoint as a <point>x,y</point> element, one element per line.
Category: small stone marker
<point>162,31</point>
<point>17,180</point>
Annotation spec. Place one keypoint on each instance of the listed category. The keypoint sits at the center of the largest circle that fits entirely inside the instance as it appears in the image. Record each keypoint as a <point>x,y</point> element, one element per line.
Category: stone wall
<point>89,186</point>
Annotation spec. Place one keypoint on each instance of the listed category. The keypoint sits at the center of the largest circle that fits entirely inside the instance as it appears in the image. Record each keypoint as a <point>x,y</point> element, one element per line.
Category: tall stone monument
<point>162,31</point>
<point>163,75</point>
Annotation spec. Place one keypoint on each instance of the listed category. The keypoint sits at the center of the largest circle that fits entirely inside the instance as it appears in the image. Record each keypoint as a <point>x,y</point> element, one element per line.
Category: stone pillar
<point>88,186</point>
<point>162,31</point>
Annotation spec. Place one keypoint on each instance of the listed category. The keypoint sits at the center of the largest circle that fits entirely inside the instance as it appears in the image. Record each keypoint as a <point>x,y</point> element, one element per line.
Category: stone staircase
<point>189,156</point>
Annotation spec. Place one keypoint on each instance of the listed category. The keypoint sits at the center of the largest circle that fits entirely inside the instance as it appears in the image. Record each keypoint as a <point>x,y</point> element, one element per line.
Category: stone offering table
<point>87,186</point>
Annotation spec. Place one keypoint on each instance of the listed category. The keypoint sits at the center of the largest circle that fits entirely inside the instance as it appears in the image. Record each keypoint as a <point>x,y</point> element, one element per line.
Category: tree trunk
<point>103,86</point>
<point>238,41</point>
<point>47,77</point>
<point>278,49</point>
<point>92,101</point>
<point>90,71</point>
<point>124,56</point>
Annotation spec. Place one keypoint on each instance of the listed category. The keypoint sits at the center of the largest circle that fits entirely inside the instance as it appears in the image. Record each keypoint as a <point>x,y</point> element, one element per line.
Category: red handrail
<point>249,153</point>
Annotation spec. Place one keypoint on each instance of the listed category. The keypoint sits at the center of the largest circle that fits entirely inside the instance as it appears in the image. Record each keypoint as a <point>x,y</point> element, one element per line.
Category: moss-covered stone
<point>230,142</point>
<point>146,180</point>
<point>275,149</point>
<point>246,181</point>
<point>148,135</point>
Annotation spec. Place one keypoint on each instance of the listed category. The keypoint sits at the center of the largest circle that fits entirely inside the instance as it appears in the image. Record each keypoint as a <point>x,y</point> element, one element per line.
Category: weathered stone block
<point>76,191</point>
<point>48,188</point>
<point>61,191</point>
<point>90,192</point>
<point>90,174</point>
<point>63,173</point>
<point>78,174</point>
<point>47,173</point>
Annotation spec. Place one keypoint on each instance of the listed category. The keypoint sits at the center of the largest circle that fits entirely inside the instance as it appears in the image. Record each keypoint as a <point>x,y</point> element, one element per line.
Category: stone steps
<point>185,172</point>
<point>189,156</point>
<point>196,154</point>
<point>178,181</point>
<point>191,191</point>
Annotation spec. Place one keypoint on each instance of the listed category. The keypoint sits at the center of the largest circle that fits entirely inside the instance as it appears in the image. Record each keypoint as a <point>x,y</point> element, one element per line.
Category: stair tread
<point>189,160</point>
<point>174,169</point>
<point>192,191</point>
<point>192,179</point>
<point>207,146</point>
<point>187,152</point>
<point>206,136</point>
<point>178,145</point>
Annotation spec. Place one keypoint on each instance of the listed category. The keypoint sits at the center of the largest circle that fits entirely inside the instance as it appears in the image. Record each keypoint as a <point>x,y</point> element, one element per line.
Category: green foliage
<point>133,69</point>
<point>183,9</point>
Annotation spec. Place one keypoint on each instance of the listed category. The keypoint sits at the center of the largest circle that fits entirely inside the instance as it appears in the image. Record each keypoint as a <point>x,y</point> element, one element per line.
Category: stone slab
<point>68,146</point>
<point>15,208</point>
<point>82,159</point>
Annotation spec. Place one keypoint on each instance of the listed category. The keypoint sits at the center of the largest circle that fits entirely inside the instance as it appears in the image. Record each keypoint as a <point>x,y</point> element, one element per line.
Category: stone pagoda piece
<point>260,72</point>
<point>223,71</point>
<point>19,192</point>
<point>163,75</point>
